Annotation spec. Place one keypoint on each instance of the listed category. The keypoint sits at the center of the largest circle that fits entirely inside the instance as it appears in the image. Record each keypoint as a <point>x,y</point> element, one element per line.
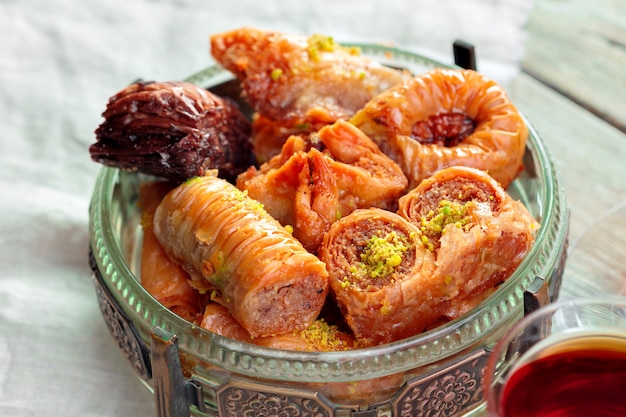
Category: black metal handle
<point>464,55</point>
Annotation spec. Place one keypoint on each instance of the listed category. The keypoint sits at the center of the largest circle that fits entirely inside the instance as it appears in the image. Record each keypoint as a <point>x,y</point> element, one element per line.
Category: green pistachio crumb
<point>433,224</point>
<point>382,255</point>
<point>249,203</point>
<point>276,74</point>
<point>324,335</point>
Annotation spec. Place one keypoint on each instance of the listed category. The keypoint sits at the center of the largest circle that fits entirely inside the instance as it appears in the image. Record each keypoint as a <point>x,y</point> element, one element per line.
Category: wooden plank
<point>578,47</point>
<point>589,153</point>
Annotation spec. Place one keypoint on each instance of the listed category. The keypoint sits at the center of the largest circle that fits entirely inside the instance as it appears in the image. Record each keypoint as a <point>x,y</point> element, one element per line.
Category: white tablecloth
<point>59,63</point>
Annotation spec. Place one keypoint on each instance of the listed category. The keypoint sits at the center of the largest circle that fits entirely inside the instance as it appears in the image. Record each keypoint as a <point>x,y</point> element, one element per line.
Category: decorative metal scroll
<point>447,392</point>
<point>444,393</point>
<point>243,398</point>
<point>120,327</point>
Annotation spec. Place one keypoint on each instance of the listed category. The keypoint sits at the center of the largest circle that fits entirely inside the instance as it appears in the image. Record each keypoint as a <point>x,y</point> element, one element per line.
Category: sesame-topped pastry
<point>175,130</point>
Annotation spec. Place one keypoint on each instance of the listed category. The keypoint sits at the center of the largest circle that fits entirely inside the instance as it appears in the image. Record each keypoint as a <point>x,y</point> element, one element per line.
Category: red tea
<point>583,376</point>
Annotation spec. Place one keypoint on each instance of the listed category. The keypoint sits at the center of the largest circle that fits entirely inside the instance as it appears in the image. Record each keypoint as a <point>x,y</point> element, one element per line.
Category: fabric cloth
<point>60,61</point>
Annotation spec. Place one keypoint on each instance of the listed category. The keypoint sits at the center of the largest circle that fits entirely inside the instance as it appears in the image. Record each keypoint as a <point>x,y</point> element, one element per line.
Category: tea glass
<point>564,359</point>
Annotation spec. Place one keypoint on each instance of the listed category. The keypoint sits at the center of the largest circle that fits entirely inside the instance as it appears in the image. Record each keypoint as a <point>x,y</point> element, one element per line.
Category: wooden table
<point>573,90</point>
<point>578,48</point>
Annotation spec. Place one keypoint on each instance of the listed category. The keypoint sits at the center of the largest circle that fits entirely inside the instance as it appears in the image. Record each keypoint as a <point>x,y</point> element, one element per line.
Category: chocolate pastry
<point>175,130</point>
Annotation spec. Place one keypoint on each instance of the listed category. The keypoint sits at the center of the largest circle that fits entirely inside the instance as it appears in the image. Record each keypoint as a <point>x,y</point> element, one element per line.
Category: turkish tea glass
<point>564,359</point>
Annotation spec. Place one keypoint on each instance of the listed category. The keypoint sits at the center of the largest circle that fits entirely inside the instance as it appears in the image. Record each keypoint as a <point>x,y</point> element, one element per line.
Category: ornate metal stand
<point>441,393</point>
<point>445,392</point>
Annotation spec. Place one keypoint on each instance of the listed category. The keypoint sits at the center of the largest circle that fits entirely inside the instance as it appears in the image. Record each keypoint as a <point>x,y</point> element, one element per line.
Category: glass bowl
<point>436,373</point>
